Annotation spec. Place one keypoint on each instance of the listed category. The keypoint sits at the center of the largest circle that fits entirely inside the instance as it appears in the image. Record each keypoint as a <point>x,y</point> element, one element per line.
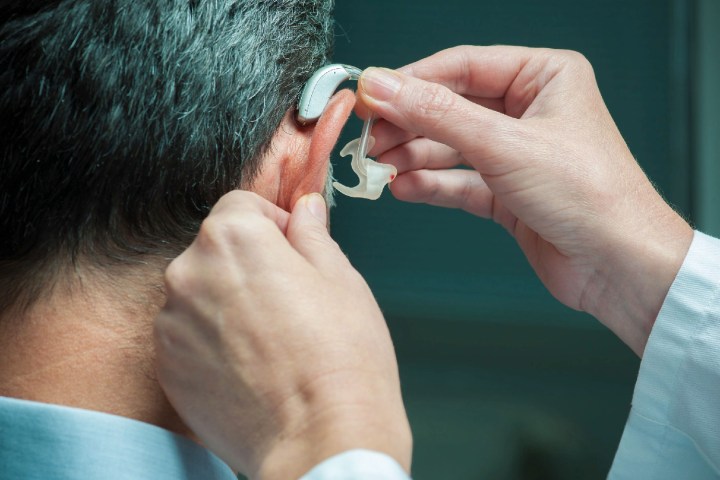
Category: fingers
<point>473,70</point>
<point>464,189</point>
<point>388,136</point>
<point>242,234</point>
<point>432,110</point>
<point>241,202</point>
<point>307,233</point>
<point>422,154</point>
<point>512,76</point>
<point>247,230</point>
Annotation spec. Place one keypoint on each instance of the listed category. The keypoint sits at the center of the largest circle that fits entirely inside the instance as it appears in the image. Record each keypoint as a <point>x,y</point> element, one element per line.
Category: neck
<point>89,348</point>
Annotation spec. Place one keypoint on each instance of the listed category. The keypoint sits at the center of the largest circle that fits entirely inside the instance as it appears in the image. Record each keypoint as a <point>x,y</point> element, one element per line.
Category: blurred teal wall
<point>500,380</point>
<point>706,116</point>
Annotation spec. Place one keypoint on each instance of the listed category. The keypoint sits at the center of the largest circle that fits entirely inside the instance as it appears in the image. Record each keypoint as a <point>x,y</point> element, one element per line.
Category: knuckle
<point>576,57</point>
<point>434,193</point>
<point>577,60</point>
<point>245,229</point>
<point>234,202</point>
<point>176,276</point>
<point>234,197</point>
<point>218,231</point>
<point>430,106</point>
<point>467,192</point>
<point>465,48</point>
<point>457,52</point>
<point>433,100</point>
<point>211,231</point>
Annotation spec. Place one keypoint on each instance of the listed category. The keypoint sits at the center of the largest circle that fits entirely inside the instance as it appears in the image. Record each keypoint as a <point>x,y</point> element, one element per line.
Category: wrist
<point>319,436</point>
<point>636,272</point>
<point>335,413</point>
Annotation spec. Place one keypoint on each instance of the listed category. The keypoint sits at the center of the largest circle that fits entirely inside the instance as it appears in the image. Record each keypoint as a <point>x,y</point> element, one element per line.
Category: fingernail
<point>316,205</point>
<point>380,83</point>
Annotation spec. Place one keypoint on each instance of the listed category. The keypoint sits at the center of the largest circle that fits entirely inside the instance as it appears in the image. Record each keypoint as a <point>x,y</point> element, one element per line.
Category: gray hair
<point>126,120</point>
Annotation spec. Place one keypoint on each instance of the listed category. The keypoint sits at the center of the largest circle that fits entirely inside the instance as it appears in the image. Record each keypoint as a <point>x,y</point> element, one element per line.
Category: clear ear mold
<point>315,96</point>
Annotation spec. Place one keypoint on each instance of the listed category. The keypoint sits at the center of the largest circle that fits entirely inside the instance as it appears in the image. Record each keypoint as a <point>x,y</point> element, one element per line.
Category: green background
<point>500,380</point>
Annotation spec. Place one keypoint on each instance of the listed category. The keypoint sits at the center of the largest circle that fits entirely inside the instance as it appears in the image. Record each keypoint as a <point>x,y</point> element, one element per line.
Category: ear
<point>298,158</point>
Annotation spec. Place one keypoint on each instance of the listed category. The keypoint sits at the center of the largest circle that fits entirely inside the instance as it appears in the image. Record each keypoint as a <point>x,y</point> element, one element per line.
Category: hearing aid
<point>320,87</point>
<point>315,96</point>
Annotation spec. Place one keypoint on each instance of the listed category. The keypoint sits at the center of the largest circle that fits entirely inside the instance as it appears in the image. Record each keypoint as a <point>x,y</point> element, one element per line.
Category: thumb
<point>308,234</point>
<point>434,111</point>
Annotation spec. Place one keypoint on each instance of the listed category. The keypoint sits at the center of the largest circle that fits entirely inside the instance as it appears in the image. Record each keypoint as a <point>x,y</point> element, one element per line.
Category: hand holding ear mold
<point>315,96</point>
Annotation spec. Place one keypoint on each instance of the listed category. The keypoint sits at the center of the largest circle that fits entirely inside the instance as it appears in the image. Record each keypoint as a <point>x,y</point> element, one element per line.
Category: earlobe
<point>297,161</point>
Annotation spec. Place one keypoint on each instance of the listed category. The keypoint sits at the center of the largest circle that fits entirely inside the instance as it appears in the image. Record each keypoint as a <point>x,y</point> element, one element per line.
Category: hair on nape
<point>124,121</point>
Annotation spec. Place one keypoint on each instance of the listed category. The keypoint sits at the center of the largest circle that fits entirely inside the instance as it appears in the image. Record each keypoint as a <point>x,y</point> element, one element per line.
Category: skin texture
<point>298,161</point>
<point>548,164</point>
<point>94,330</point>
<point>270,341</point>
<point>272,346</point>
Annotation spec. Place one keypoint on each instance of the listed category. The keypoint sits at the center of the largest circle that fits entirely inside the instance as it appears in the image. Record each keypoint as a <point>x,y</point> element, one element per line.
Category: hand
<point>271,346</point>
<point>548,164</point>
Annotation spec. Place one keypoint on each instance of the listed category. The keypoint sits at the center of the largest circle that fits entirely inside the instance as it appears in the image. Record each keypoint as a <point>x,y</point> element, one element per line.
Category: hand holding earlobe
<point>258,290</point>
<point>308,234</point>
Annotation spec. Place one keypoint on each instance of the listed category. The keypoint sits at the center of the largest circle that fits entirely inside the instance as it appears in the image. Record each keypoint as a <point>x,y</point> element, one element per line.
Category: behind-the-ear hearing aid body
<point>313,100</point>
<point>321,86</point>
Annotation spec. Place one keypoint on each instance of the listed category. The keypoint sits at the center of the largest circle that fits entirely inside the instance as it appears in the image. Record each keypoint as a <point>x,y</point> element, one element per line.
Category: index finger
<point>486,72</point>
<point>246,201</point>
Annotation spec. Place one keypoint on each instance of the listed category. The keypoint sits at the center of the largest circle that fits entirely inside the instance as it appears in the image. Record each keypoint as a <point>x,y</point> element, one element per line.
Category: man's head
<point>124,121</point>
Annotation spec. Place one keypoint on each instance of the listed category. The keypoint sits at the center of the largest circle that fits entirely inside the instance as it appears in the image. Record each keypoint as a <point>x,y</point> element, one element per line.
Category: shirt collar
<point>39,441</point>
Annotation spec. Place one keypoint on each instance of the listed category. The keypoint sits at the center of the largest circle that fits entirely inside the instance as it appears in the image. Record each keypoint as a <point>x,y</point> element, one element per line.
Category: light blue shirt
<point>39,441</point>
<point>673,431</point>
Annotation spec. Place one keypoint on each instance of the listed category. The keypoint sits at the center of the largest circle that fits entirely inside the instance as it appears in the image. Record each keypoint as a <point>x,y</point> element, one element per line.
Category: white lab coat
<point>673,431</point>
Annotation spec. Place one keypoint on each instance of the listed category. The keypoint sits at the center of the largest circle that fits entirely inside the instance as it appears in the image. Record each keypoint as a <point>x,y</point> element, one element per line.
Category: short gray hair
<point>126,120</point>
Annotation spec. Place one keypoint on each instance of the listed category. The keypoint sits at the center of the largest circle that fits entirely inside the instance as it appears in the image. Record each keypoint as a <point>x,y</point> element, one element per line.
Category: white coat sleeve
<point>673,431</point>
<point>358,465</point>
